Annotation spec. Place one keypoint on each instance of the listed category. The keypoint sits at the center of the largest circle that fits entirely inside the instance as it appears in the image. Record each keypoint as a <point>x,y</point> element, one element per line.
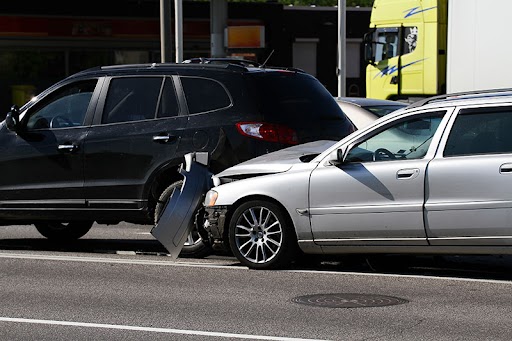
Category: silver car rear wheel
<point>261,236</point>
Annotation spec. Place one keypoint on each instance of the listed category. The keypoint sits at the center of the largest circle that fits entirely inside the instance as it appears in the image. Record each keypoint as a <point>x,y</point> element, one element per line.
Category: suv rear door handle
<point>67,147</point>
<point>163,138</point>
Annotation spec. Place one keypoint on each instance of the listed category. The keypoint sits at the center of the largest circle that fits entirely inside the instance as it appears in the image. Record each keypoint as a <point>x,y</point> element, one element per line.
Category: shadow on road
<point>492,267</point>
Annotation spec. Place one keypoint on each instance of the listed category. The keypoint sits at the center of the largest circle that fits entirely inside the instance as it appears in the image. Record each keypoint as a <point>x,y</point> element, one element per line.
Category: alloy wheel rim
<point>258,235</point>
<point>193,238</point>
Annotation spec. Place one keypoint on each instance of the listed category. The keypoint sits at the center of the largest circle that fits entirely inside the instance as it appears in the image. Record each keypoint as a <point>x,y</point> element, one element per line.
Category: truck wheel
<point>59,231</point>
<point>194,246</point>
<point>261,236</point>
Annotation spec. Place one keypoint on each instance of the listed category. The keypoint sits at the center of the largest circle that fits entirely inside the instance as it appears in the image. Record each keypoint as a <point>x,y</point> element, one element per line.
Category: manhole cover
<point>348,300</point>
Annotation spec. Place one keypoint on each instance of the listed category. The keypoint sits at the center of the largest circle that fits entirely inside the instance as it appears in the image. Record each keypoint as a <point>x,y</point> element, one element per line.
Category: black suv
<point>105,144</point>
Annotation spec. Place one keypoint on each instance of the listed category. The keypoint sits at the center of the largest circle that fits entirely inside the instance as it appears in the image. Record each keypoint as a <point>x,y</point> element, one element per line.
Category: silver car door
<point>469,200</point>
<point>376,196</point>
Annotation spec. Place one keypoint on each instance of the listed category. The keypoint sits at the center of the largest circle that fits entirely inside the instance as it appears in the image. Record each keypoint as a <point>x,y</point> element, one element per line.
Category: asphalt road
<point>118,284</point>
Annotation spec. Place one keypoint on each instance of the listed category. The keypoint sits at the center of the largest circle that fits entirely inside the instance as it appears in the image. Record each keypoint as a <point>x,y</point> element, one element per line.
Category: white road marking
<point>116,261</point>
<point>231,267</point>
<point>151,329</point>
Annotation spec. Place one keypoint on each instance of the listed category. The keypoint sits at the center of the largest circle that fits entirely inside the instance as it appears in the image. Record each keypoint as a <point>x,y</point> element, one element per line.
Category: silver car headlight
<point>211,198</point>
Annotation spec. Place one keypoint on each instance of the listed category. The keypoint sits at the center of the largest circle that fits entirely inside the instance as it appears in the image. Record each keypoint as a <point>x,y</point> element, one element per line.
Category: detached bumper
<point>177,219</point>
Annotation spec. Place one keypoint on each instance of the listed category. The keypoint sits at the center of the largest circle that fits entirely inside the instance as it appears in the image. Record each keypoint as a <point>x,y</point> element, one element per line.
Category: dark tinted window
<point>168,102</point>
<point>289,97</point>
<point>383,110</point>
<point>204,94</point>
<point>480,133</point>
<point>132,99</point>
<point>66,107</point>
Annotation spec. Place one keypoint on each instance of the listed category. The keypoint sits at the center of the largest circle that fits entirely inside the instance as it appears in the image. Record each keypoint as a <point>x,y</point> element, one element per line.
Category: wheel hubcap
<point>258,235</point>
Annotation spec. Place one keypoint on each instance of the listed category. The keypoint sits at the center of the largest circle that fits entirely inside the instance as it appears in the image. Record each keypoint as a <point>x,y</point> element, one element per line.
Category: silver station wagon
<point>435,177</point>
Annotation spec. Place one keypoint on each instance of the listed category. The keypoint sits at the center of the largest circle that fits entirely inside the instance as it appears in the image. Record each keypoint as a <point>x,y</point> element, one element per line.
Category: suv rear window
<point>290,96</point>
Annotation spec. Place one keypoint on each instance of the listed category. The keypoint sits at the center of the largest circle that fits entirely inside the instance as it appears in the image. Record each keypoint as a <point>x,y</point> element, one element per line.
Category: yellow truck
<point>421,48</point>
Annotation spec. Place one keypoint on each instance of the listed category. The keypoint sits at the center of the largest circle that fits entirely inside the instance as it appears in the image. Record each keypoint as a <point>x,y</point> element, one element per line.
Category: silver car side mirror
<point>337,158</point>
<point>339,155</point>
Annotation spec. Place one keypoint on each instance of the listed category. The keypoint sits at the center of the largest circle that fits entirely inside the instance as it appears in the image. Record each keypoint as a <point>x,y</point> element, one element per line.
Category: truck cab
<point>405,49</point>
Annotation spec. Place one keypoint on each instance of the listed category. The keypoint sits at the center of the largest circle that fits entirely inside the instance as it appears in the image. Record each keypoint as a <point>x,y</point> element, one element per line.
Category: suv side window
<point>408,139</point>
<point>204,94</point>
<point>132,99</point>
<point>169,106</point>
<point>477,131</point>
<point>64,108</point>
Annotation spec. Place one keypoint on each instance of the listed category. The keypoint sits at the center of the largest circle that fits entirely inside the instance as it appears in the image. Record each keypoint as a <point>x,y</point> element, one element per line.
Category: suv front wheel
<point>194,246</point>
<point>63,231</point>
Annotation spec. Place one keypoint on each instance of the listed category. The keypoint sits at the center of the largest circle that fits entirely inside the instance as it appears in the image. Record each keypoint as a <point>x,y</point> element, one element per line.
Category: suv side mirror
<point>12,118</point>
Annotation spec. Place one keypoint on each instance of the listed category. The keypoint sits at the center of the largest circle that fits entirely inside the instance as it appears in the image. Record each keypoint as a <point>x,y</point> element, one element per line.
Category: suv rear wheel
<point>194,246</point>
<point>60,231</point>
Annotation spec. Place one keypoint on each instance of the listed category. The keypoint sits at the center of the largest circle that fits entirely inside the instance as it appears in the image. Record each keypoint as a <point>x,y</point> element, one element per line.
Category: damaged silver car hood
<point>278,161</point>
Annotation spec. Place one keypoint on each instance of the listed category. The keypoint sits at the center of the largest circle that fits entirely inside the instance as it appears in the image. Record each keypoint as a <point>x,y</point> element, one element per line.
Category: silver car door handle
<point>506,168</point>
<point>67,147</point>
<point>407,174</point>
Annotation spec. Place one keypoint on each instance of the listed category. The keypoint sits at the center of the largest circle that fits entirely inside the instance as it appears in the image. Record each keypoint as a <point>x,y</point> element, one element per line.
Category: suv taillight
<point>268,132</point>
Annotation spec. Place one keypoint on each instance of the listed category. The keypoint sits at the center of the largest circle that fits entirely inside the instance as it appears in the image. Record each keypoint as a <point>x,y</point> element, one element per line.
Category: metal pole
<point>165,30</point>
<point>218,22</point>
<point>342,47</point>
<point>178,29</point>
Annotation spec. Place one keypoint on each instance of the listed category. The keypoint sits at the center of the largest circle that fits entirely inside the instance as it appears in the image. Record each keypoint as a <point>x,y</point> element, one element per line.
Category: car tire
<point>268,241</point>
<point>194,246</point>
<point>60,231</point>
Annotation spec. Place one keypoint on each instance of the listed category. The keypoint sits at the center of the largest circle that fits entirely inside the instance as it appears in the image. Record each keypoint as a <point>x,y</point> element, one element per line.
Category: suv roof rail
<point>463,95</point>
<point>227,63</point>
<point>158,65</point>
<point>236,61</point>
<point>239,62</point>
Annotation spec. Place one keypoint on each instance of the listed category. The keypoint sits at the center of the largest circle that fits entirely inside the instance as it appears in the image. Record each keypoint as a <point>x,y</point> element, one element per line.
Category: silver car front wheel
<point>261,236</point>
